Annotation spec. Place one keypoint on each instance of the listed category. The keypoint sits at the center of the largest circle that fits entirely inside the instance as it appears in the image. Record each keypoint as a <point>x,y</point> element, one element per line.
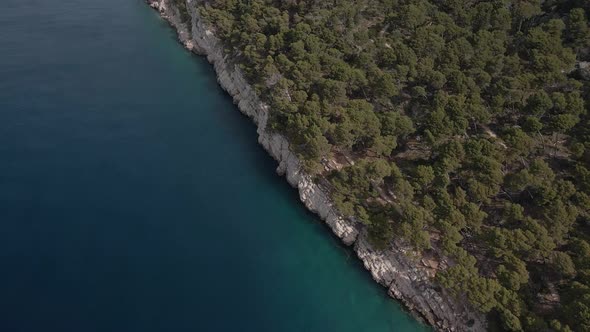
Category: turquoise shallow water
<point>134,197</point>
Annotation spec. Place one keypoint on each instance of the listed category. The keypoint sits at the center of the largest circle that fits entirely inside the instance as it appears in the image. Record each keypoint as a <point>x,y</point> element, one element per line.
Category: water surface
<point>134,197</point>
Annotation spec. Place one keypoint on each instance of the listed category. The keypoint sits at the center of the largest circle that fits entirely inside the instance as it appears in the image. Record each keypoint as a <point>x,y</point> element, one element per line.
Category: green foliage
<point>578,30</point>
<point>562,264</point>
<point>424,175</point>
<point>513,273</point>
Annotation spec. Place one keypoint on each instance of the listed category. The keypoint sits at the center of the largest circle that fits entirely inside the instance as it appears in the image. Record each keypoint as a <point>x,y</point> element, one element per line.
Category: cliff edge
<point>406,279</point>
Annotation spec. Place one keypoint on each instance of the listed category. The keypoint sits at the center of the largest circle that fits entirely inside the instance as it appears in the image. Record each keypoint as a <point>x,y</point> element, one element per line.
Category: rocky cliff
<point>407,280</point>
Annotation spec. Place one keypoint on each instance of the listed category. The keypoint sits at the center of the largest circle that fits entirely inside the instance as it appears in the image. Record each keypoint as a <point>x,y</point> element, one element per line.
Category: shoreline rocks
<point>406,279</point>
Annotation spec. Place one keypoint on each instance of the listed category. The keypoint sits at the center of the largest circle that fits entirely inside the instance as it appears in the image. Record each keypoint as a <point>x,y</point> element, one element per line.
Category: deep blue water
<point>134,197</point>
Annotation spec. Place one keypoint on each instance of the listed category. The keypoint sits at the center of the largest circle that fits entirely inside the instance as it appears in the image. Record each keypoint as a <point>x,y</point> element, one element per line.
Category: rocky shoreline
<point>408,280</point>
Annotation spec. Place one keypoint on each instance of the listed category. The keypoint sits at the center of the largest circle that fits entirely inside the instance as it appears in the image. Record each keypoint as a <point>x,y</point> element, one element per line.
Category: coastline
<point>406,279</point>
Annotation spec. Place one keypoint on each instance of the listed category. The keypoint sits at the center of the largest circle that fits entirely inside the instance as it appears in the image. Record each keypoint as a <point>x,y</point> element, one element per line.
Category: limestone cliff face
<point>405,278</point>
